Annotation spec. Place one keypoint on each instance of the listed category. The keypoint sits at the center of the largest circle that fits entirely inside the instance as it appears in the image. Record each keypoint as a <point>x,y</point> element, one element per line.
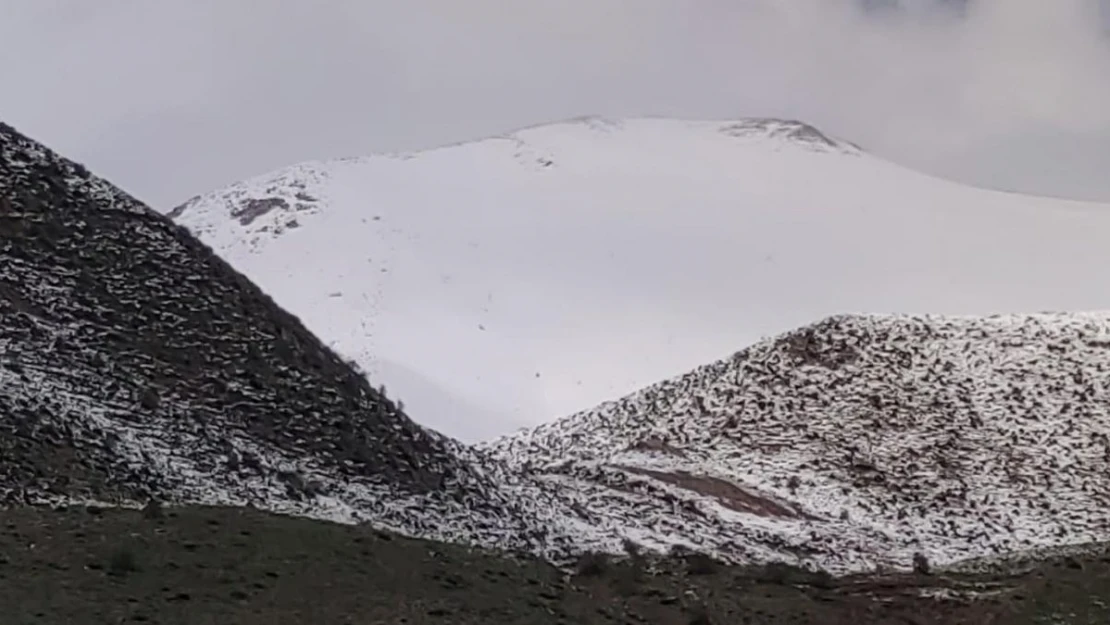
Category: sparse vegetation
<point>232,565</point>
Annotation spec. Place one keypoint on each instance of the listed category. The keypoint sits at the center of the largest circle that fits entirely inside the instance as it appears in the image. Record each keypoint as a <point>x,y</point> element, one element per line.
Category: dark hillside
<point>227,565</point>
<point>134,362</point>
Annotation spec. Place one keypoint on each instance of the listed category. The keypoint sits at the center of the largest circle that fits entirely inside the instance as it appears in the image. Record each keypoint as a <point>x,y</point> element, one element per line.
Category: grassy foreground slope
<point>238,565</point>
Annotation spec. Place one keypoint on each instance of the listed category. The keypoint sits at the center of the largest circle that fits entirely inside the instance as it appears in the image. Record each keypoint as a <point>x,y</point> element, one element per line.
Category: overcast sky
<point>170,98</point>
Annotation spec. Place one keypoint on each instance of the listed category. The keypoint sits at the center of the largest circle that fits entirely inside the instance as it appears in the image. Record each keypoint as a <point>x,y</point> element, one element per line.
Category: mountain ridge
<point>646,244</point>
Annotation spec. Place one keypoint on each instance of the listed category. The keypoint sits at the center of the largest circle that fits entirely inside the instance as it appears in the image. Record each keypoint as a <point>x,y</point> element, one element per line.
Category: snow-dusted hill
<point>510,281</point>
<point>853,442</point>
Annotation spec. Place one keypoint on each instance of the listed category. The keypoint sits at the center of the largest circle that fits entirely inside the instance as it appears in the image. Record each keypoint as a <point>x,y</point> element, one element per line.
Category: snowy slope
<point>854,442</point>
<point>540,273</point>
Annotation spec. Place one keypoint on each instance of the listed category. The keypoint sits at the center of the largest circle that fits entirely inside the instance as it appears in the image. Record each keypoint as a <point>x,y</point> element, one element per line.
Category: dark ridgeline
<point>133,360</point>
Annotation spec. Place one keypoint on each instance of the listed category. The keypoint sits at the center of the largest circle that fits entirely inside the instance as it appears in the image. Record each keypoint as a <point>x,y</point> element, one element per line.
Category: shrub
<point>629,575</point>
<point>627,581</point>
<point>149,399</point>
<point>592,564</point>
<point>699,615</point>
<point>632,548</point>
<point>782,573</point>
<point>122,562</point>
<point>823,580</point>
<point>921,564</point>
<point>701,564</point>
<point>152,510</point>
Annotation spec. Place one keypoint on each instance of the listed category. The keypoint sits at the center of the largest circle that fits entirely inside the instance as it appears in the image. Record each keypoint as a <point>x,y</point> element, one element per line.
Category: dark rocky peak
<point>789,130</point>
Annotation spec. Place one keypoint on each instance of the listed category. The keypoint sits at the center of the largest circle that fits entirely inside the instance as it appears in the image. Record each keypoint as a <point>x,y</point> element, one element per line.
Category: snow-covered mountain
<point>529,276</point>
<point>134,363</point>
<point>854,442</point>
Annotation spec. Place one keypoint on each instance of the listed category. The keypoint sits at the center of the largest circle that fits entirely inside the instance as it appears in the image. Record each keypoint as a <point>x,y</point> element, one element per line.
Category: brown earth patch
<point>658,445</point>
<point>728,494</point>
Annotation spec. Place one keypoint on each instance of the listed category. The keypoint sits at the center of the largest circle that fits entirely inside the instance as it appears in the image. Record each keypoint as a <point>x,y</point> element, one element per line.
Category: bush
<point>122,562</point>
<point>781,573</point>
<point>701,564</point>
<point>153,510</point>
<point>637,561</point>
<point>632,548</point>
<point>679,551</point>
<point>149,399</point>
<point>699,615</point>
<point>823,580</point>
<point>921,564</point>
<point>592,564</point>
<point>627,580</point>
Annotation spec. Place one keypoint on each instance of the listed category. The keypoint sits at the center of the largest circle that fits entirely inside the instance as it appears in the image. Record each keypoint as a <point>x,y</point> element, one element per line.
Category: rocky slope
<point>854,442</point>
<point>571,263</point>
<point>135,363</point>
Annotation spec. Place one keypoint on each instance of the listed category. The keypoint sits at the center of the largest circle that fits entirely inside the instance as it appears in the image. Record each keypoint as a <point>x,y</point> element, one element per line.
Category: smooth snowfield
<point>510,281</point>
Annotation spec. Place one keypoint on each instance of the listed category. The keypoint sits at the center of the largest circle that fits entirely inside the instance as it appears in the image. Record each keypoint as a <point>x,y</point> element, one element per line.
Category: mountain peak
<point>792,131</point>
<point>277,200</point>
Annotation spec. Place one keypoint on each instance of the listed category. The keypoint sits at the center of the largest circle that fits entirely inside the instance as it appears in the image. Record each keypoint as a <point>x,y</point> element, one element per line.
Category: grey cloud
<point>176,97</point>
